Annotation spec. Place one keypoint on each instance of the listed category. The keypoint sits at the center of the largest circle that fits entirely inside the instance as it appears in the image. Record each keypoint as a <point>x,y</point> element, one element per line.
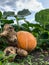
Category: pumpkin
<point>26,40</point>
<point>9,51</point>
<point>22,52</point>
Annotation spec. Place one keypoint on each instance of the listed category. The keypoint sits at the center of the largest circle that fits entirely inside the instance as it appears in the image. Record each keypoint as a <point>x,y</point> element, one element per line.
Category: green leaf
<point>43,42</point>
<point>44,35</point>
<point>0,14</point>
<point>4,21</point>
<point>42,16</point>
<point>35,25</point>
<point>1,54</point>
<point>9,57</point>
<point>23,13</point>
<point>8,63</point>
<point>8,13</point>
<point>47,27</point>
<point>25,26</point>
<point>37,30</point>
<point>35,34</point>
<point>0,63</point>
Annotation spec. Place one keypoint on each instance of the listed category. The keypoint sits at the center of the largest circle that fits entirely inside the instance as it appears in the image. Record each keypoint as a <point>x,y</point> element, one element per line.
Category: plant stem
<point>17,23</point>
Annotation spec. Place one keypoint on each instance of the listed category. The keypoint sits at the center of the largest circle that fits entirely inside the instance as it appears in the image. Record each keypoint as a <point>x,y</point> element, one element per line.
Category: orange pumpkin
<point>26,40</point>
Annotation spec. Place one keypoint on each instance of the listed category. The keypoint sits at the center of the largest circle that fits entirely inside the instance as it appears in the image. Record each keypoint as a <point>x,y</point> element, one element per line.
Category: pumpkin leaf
<point>43,42</point>
<point>8,63</point>
<point>44,35</point>
<point>8,13</point>
<point>42,16</point>
<point>25,25</point>
<point>37,30</point>
<point>4,21</point>
<point>18,29</point>
<point>1,55</point>
<point>23,13</point>
<point>19,18</point>
<point>0,63</point>
<point>47,27</point>
<point>34,25</point>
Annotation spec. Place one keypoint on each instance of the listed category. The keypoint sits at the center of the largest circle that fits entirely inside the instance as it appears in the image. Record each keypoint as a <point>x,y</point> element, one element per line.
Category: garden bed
<point>35,58</point>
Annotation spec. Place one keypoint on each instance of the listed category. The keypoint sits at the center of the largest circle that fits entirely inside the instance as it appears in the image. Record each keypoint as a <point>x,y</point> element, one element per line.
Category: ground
<point>34,58</point>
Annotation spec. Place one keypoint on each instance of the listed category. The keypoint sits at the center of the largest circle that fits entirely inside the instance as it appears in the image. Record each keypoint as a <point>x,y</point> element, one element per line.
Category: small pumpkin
<point>26,40</point>
<point>9,51</point>
<point>22,52</point>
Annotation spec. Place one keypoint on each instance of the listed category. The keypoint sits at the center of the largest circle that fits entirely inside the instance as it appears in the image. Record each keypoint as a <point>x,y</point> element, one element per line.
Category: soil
<point>36,57</point>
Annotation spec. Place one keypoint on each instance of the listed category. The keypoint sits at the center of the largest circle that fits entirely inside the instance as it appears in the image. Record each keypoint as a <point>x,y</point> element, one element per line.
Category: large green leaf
<point>19,18</point>
<point>35,26</point>
<point>42,16</point>
<point>8,13</point>
<point>18,28</point>
<point>32,24</point>
<point>25,27</point>
<point>24,12</point>
<point>4,21</point>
